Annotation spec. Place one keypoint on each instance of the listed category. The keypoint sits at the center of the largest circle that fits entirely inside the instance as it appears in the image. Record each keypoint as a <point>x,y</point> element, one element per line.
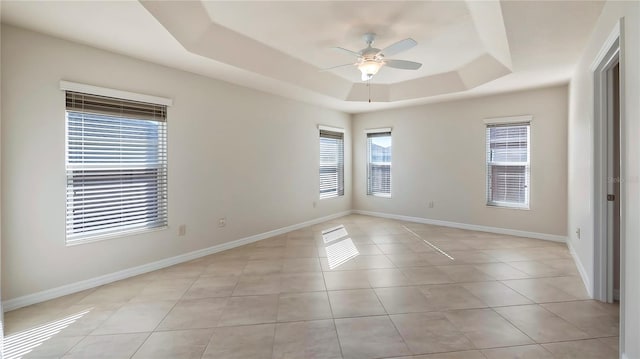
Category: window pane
<point>116,170</point>
<point>379,164</point>
<point>331,164</point>
<point>508,143</point>
<point>508,165</point>
<point>508,183</point>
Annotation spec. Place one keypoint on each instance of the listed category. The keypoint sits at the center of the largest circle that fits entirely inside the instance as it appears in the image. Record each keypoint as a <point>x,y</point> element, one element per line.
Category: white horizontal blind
<point>331,164</point>
<point>379,164</point>
<point>116,165</point>
<point>508,164</point>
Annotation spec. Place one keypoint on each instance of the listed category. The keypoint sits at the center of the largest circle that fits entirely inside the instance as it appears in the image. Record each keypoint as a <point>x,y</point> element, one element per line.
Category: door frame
<point>612,51</point>
<point>608,57</point>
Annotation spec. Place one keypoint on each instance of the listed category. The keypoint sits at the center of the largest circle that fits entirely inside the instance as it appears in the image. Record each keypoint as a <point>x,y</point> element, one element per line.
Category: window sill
<point>388,196</point>
<point>103,237</point>
<point>332,197</point>
<point>508,206</point>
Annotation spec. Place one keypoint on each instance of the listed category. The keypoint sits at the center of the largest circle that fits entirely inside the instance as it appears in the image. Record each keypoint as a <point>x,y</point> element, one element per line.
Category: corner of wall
<point>583,273</point>
<point>352,199</point>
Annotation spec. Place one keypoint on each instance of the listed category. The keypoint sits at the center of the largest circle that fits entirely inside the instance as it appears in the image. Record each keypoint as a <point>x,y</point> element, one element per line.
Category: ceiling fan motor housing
<point>371,53</point>
<point>369,38</point>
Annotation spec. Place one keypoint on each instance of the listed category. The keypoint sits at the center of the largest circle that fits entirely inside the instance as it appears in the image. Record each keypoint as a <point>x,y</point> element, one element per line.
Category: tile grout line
<point>514,325</point>
<point>387,312</point>
<point>141,344</point>
<point>333,319</point>
<point>160,321</point>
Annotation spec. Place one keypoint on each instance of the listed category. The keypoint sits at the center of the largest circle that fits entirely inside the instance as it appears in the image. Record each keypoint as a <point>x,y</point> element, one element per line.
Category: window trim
<point>106,236</point>
<point>119,94</point>
<point>367,177</point>
<point>67,86</point>
<point>329,128</point>
<point>336,130</point>
<point>378,130</point>
<point>506,121</point>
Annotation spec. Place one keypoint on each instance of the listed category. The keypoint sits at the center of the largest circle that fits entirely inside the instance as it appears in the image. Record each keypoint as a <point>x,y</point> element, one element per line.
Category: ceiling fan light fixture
<point>371,59</point>
<point>369,68</point>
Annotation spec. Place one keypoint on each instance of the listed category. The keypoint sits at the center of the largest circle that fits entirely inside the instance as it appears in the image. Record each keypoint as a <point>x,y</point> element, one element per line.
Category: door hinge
<point>611,197</point>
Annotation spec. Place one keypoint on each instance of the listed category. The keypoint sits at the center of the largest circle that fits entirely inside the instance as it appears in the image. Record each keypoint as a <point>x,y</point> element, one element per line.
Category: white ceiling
<point>307,31</point>
<point>467,48</point>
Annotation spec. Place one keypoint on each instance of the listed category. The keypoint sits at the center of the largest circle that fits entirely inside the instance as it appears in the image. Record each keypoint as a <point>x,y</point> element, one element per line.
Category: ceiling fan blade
<point>402,64</point>
<point>398,47</point>
<point>354,53</point>
<point>335,67</point>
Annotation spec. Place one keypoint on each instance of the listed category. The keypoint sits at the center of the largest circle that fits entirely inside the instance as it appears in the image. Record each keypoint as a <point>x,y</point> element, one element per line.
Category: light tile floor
<point>370,288</point>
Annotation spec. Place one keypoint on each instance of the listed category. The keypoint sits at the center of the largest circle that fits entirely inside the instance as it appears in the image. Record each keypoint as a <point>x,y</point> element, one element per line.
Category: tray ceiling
<point>467,48</point>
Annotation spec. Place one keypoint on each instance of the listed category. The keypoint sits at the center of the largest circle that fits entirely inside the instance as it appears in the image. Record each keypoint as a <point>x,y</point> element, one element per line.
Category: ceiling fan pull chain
<point>369,86</point>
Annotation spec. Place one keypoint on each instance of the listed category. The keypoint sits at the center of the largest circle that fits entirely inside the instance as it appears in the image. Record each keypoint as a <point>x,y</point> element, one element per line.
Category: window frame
<point>505,122</point>
<point>125,96</point>
<point>368,186</point>
<point>340,188</point>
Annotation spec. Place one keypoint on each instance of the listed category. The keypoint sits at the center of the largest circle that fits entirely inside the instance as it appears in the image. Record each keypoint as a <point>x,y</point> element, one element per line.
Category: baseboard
<point>472,227</point>
<point>581,270</point>
<point>67,289</point>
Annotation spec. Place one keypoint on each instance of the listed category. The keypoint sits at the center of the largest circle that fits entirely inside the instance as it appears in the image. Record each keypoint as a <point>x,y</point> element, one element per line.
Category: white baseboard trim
<point>67,289</point>
<point>472,227</point>
<point>581,270</point>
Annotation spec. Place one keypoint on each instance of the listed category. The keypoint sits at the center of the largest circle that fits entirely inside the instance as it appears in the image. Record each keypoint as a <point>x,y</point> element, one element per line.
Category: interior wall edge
<point>48,294</point>
<point>583,272</point>
<point>471,227</point>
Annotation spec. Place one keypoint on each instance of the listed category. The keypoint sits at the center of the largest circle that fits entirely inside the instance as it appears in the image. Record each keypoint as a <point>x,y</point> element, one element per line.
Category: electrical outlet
<point>182,230</point>
<point>431,204</point>
<point>222,222</point>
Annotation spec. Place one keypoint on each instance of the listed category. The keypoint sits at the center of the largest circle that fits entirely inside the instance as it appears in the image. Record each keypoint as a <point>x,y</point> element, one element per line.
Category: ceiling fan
<point>371,59</point>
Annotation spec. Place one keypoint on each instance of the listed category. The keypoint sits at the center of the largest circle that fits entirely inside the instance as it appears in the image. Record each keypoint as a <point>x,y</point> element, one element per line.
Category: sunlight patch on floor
<point>22,343</point>
<point>341,252</point>
<point>334,233</point>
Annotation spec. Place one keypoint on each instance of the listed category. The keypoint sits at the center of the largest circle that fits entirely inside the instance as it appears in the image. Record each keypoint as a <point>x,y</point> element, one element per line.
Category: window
<point>331,162</point>
<point>379,162</point>
<point>508,164</point>
<point>116,165</point>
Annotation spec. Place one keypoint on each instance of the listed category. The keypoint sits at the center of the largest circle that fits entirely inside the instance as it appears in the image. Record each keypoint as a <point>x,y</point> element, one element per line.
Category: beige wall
<point>233,152</point>
<point>439,156</point>
<point>581,163</point>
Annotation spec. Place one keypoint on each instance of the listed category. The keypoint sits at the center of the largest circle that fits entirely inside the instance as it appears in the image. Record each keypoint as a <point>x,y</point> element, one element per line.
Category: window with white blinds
<point>331,163</point>
<point>508,164</point>
<point>379,163</point>
<point>116,165</point>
